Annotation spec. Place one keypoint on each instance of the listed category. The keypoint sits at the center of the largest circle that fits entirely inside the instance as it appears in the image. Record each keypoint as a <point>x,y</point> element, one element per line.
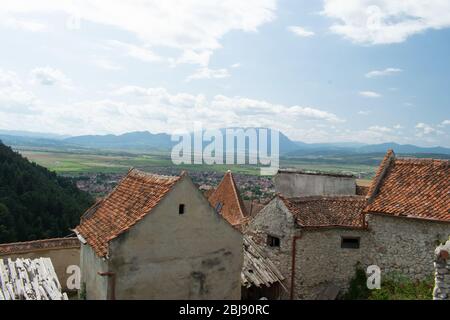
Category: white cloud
<point>364,112</point>
<point>207,73</point>
<point>193,57</point>
<point>369,94</point>
<point>134,51</point>
<point>423,129</point>
<point>14,98</point>
<point>380,129</point>
<point>188,25</point>
<point>386,21</point>
<point>300,31</point>
<point>445,123</point>
<point>48,76</point>
<point>134,108</point>
<point>382,73</point>
<point>105,63</point>
<point>22,24</point>
<point>235,65</point>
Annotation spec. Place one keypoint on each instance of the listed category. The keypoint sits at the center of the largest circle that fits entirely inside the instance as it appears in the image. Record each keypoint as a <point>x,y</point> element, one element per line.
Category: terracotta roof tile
<point>418,188</point>
<point>362,190</point>
<point>227,199</point>
<point>327,211</point>
<point>135,196</point>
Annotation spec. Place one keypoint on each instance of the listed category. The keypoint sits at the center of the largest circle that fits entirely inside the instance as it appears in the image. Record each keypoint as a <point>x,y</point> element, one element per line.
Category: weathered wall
<point>301,184</point>
<point>404,245</point>
<point>395,244</point>
<point>61,256</point>
<point>196,255</point>
<point>320,260</point>
<point>442,272</point>
<point>95,287</point>
<point>275,220</point>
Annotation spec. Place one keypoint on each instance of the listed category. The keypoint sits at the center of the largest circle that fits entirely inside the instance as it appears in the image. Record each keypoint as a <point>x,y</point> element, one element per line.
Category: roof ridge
<point>237,194</point>
<point>139,173</point>
<point>412,160</point>
<point>381,173</point>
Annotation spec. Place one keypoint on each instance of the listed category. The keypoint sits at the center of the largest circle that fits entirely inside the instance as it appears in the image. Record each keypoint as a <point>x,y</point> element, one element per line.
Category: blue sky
<point>320,71</point>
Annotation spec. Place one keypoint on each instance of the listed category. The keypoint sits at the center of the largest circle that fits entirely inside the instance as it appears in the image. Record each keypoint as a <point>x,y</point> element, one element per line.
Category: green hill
<point>36,203</point>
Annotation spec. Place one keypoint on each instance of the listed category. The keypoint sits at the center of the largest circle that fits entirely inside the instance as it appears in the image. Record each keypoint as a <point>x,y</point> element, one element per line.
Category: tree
<point>36,203</point>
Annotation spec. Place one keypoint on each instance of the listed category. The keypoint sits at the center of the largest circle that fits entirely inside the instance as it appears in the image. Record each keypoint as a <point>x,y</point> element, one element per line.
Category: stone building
<point>157,237</point>
<point>408,214</point>
<point>316,241</point>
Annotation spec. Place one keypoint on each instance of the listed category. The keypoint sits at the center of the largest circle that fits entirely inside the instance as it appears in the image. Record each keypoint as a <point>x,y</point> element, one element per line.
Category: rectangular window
<point>349,243</point>
<point>181,209</point>
<point>273,241</point>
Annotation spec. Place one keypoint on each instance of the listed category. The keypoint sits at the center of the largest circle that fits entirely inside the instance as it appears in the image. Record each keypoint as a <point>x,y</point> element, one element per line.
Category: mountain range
<point>146,141</point>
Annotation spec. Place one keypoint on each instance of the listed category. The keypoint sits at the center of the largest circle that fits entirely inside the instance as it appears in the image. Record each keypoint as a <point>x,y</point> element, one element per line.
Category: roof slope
<point>135,196</point>
<point>258,270</point>
<point>327,211</point>
<point>417,188</point>
<point>227,199</point>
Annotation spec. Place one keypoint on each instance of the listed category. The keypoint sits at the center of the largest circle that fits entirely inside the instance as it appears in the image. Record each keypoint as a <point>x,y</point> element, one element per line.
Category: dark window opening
<point>350,243</point>
<point>181,209</point>
<point>219,206</point>
<point>273,241</point>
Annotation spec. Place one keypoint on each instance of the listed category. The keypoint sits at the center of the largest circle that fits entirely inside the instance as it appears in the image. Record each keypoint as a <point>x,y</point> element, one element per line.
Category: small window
<point>273,241</point>
<point>219,206</point>
<point>181,208</point>
<point>350,243</point>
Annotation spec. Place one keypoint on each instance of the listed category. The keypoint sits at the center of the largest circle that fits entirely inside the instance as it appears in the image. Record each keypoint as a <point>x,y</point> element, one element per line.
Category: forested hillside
<point>36,203</point>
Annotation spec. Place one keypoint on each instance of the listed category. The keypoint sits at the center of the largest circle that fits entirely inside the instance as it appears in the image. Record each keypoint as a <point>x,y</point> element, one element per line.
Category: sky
<point>368,71</point>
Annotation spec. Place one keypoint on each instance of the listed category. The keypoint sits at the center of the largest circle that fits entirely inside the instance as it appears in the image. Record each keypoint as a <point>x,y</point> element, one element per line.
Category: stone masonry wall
<point>395,244</point>
<point>276,221</point>
<point>442,272</point>
<point>320,260</point>
<point>404,245</point>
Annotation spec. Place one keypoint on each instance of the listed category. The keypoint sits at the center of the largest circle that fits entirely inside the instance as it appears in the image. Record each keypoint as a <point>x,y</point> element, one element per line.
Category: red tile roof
<point>135,196</point>
<point>227,198</point>
<point>416,188</point>
<point>327,211</point>
<point>38,245</point>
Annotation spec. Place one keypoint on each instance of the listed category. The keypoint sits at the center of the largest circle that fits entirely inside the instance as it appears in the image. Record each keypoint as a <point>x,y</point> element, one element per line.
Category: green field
<point>76,163</point>
<point>73,163</point>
